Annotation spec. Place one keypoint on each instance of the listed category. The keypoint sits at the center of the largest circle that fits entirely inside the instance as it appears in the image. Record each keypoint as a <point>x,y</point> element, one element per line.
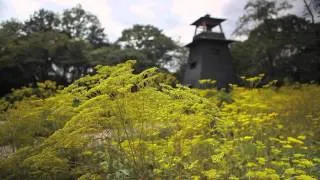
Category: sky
<point>172,16</point>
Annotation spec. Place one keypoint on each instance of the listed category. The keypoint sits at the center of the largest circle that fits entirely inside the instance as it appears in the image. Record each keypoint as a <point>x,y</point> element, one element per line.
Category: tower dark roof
<point>209,36</point>
<point>208,21</point>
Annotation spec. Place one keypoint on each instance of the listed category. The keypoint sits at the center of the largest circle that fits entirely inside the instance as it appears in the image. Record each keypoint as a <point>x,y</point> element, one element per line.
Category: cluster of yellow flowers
<point>121,125</point>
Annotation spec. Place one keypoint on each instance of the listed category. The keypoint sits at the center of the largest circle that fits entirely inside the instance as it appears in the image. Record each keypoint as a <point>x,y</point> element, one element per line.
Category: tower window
<point>193,65</point>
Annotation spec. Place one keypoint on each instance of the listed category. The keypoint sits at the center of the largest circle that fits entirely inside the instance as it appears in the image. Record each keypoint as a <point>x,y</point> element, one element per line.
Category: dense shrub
<point>120,125</point>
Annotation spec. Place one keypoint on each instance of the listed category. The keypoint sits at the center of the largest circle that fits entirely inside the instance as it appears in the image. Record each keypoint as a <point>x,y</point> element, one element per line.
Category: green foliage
<point>280,48</point>
<point>78,23</point>
<point>42,21</point>
<point>9,30</point>
<point>148,40</point>
<point>48,46</point>
<point>207,83</point>
<point>253,82</point>
<point>120,125</point>
<point>256,11</point>
<point>24,127</point>
<point>114,55</point>
<point>30,59</point>
<point>42,90</point>
<point>311,9</point>
<point>63,48</point>
<point>75,22</point>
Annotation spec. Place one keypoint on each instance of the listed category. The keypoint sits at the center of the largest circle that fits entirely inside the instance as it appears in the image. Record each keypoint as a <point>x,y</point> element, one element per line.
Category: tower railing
<point>210,35</point>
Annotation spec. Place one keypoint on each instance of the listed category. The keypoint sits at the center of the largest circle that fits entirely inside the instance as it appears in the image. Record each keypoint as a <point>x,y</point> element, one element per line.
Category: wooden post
<point>221,28</point>
<point>195,31</point>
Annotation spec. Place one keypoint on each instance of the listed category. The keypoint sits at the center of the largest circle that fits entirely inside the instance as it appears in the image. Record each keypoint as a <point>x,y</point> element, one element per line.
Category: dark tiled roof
<point>209,36</point>
<point>208,20</point>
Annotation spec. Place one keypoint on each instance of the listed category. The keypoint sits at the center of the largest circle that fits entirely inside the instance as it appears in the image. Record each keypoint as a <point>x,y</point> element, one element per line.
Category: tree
<point>148,40</point>
<point>244,62</point>
<point>276,45</point>
<point>42,21</point>
<point>257,11</point>
<point>283,47</point>
<point>11,28</point>
<point>113,55</point>
<point>311,8</point>
<point>48,46</point>
<point>9,31</point>
<point>42,56</point>
<point>78,23</point>
<point>75,22</point>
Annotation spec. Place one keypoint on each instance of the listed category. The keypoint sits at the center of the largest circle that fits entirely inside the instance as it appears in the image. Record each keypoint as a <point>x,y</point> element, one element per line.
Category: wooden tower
<point>209,57</point>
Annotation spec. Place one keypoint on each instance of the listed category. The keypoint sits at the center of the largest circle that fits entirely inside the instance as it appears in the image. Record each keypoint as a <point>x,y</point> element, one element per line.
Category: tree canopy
<point>256,11</point>
<point>78,23</point>
<point>64,47</point>
<point>148,40</point>
<point>283,48</point>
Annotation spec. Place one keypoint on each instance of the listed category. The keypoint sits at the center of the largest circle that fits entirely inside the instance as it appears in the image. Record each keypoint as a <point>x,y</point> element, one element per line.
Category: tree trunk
<point>270,72</point>
<point>308,8</point>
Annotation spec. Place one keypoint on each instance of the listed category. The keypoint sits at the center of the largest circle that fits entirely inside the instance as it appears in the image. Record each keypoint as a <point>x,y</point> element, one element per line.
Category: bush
<point>120,125</point>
